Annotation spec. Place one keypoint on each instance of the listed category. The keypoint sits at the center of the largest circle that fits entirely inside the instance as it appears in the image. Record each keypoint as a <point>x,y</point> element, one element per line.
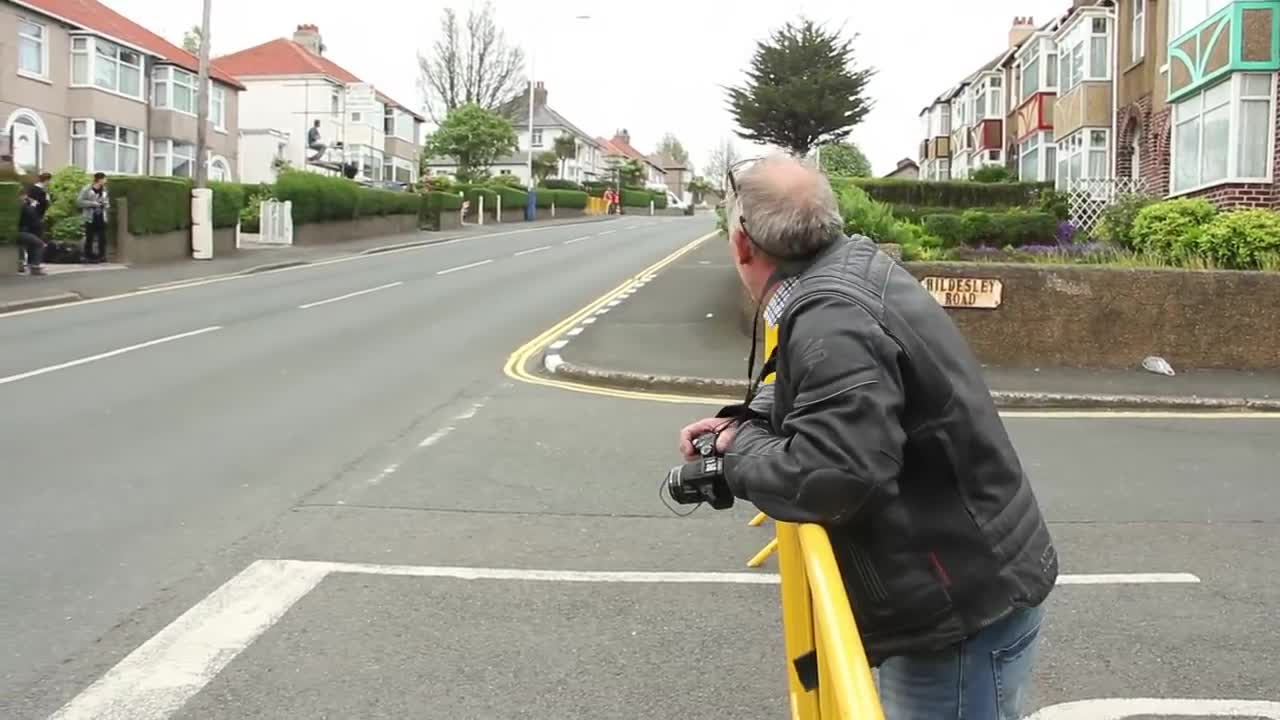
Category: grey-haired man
<point>881,428</point>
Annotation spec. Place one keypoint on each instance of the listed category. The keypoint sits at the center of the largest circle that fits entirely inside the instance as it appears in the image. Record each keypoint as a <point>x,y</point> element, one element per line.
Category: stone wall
<point>1077,316</point>
<point>224,242</point>
<point>339,231</point>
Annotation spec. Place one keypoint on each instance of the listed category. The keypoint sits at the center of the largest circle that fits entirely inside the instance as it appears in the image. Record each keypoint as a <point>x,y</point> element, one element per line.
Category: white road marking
<point>468,266</point>
<point>386,472</point>
<point>1140,415</point>
<point>531,251</point>
<point>614,303</point>
<point>590,321</point>
<point>348,296</point>
<point>574,332</point>
<point>155,680</point>
<point>603,310</point>
<point>1128,579</point>
<point>105,355</point>
<point>608,232</point>
<point>443,432</point>
<point>436,436</point>
<point>634,227</point>
<point>552,362</point>
<point>558,345</point>
<point>1120,708</point>
<point>577,239</point>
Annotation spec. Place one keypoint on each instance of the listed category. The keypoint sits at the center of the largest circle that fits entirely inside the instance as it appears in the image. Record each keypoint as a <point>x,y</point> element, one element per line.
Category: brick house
<point>1197,99</point>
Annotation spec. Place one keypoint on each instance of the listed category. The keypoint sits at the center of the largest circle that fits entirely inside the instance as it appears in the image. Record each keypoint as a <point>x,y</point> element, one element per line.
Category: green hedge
<point>1014,228</point>
<point>9,212</point>
<point>575,199</point>
<point>956,194</point>
<point>511,198</point>
<point>156,204</point>
<point>595,189</point>
<point>318,198</point>
<point>560,184</point>
<point>659,200</point>
<point>432,204</point>
<point>228,200</point>
<point>374,202</point>
<point>636,198</point>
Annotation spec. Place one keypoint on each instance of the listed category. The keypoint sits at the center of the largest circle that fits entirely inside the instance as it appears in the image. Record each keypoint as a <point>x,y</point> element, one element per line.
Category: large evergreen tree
<point>803,89</point>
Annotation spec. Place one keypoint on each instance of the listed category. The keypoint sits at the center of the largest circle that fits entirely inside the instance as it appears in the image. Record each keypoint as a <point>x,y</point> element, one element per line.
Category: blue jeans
<point>984,677</point>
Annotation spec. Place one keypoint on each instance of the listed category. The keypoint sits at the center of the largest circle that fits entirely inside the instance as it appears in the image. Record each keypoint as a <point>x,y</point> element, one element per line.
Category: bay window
<point>1185,15</point>
<point>97,146</point>
<point>1037,156</point>
<point>1224,133</point>
<point>1083,155</point>
<point>1031,71</point>
<point>174,88</point>
<point>403,170</point>
<point>33,49</point>
<point>173,157</point>
<point>1086,52</point>
<point>1037,70</point>
<point>1138,29</point>
<point>105,65</point>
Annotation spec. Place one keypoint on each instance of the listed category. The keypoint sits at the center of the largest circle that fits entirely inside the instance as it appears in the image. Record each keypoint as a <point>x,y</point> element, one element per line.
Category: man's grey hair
<point>789,208</point>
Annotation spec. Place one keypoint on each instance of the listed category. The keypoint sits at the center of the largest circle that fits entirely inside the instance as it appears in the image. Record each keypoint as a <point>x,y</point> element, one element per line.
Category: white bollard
<point>650,208</point>
<point>481,215</point>
<point>499,208</point>
<point>553,209</point>
<point>201,224</point>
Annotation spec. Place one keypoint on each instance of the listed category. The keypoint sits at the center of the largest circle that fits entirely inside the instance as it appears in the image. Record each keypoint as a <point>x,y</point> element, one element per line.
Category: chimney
<point>539,94</point>
<point>623,135</point>
<point>1021,30</point>
<point>308,36</point>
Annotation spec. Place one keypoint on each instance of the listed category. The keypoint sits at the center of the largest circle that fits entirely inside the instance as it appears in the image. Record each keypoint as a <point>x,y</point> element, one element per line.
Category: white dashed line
<point>436,436</point>
<point>531,251</point>
<point>348,296</point>
<point>574,332</point>
<point>105,355</point>
<point>557,345</point>
<point>608,232</point>
<point>577,239</point>
<point>468,266</point>
<point>590,321</point>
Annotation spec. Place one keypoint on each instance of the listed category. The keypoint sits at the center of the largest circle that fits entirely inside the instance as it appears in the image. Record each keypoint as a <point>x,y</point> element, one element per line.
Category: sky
<point>652,67</point>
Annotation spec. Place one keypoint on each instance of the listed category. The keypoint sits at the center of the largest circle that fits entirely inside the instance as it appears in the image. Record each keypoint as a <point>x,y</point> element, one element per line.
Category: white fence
<point>1089,198</point>
<point>276,223</point>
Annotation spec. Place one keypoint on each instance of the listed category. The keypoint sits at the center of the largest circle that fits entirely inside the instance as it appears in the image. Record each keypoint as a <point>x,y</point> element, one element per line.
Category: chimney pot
<point>308,36</point>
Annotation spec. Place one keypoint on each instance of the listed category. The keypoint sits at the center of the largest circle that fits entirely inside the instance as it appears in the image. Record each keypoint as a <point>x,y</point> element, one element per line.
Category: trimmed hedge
<point>432,204</point>
<point>374,202</point>
<point>319,198</point>
<point>511,198</point>
<point>636,198</point>
<point>9,212</point>
<point>574,199</point>
<point>595,188</point>
<point>228,200</point>
<point>659,200</point>
<point>955,194</point>
<point>1012,228</point>
<point>561,184</point>
<point>156,204</point>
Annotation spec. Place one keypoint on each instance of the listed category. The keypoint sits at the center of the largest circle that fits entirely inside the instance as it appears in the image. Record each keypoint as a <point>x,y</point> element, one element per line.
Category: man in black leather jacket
<point>880,427</point>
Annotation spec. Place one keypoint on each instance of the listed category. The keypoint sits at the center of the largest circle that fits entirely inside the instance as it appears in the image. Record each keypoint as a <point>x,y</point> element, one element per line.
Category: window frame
<point>1040,142</point>
<point>43,42</point>
<point>90,139</point>
<point>1204,10</point>
<point>1138,31</point>
<point>1083,145</point>
<point>535,138</point>
<point>1075,51</point>
<point>93,57</point>
<point>1236,100</point>
<point>1042,50</point>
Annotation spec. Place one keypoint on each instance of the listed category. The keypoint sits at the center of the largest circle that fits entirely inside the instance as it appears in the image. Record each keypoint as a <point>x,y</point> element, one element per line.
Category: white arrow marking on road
<point>105,355</point>
<point>532,251</point>
<point>1120,708</point>
<point>464,267</point>
<point>348,296</point>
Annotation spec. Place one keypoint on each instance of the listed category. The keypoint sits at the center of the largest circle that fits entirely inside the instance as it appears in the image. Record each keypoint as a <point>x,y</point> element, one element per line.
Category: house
<point>620,149</point>
<point>1197,99</point>
<point>935,149</point>
<point>582,165</point>
<point>676,174</point>
<point>290,85</point>
<point>86,86</point>
<point>977,120</point>
<point>1031,71</point>
<point>907,169</point>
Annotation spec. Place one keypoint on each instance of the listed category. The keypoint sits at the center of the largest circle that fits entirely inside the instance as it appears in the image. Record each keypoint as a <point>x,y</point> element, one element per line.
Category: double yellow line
<point>517,366</point>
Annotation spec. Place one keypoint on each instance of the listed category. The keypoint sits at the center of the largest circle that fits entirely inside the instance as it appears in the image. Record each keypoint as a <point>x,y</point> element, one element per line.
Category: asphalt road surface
<point>315,494</point>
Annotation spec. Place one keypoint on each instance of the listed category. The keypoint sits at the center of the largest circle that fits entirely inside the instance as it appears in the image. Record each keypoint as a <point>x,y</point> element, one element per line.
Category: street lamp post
<point>202,103</point>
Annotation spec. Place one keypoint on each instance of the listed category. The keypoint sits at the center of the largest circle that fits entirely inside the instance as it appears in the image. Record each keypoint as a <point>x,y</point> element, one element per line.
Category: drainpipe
<point>1114,140</point>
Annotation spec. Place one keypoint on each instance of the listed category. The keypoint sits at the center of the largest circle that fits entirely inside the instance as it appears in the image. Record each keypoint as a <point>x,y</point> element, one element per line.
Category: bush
<point>573,199</point>
<point>595,188</point>
<point>9,208</point>
<point>64,221</point>
<point>156,204</point>
<point>1055,203</point>
<point>947,227</point>
<point>251,213</point>
<point>1024,227</point>
<point>1172,230</point>
<point>632,197</point>
<point>1115,225</point>
<point>864,216</point>
<point>1001,229</point>
<point>317,198</point>
<point>659,200</point>
<point>1242,240</point>
<point>561,184</point>
<point>473,193</point>
<point>511,198</point>
<point>510,181</point>
<point>228,201</point>
<point>371,202</point>
<point>432,204</point>
<point>993,174</point>
<point>955,194</point>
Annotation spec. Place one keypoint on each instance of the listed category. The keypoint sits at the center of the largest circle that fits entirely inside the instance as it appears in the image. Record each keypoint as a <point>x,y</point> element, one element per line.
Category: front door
<point>26,146</point>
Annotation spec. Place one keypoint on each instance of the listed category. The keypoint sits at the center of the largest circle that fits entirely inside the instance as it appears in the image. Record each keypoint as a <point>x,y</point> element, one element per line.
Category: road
<point>321,449</point>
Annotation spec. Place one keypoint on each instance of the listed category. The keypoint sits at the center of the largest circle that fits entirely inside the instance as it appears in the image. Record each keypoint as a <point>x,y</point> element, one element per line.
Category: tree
<point>565,147</point>
<point>844,159</point>
<point>993,174</point>
<point>469,65</point>
<point>698,187</point>
<point>474,138</point>
<point>719,161</point>
<point>544,166</point>
<point>802,90</point>
<point>629,170</point>
<point>191,40</point>
<point>670,145</point>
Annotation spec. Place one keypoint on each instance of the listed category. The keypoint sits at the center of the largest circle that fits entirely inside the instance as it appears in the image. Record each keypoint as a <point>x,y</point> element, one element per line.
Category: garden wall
<point>1076,316</point>
<point>340,230</point>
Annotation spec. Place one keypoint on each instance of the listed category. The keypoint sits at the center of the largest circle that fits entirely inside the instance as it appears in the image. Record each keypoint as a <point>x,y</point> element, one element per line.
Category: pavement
<point>72,282</point>
<point>318,492</point>
<point>682,332</point>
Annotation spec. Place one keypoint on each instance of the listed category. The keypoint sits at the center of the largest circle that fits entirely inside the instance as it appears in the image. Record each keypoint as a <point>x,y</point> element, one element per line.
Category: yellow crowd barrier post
<point>797,620</point>
<point>758,520</point>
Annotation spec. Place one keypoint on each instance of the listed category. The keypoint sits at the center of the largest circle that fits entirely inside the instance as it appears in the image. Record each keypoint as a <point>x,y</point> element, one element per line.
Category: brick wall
<point>1155,150</point>
<point>1236,197</point>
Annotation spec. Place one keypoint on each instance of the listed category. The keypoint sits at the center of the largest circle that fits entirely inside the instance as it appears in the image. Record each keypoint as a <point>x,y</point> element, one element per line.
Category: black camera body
<point>701,481</point>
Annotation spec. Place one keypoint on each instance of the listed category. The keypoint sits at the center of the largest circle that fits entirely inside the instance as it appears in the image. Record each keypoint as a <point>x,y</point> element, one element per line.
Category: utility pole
<point>202,103</point>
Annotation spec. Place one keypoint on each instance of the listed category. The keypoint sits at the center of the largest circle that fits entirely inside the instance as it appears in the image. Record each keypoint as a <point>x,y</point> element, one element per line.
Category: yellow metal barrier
<point>596,206</point>
<point>817,620</point>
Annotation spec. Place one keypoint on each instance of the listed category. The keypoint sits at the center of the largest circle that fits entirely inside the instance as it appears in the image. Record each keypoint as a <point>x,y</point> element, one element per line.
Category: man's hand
<point>726,429</point>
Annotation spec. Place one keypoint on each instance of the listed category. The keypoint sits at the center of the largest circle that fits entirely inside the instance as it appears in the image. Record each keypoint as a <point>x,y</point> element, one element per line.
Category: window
<point>1135,154</point>
<point>1184,15</point>
<point>33,51</point>
<point>335,103</point>
<point>1224,134</point>
<point>218,106</point>
<point>171,157</point>
<point>403,170</point>
<point>1031,71</point>
<point>174,88</point>
<point>1086,53</point>
<point>1083,155</point>
<point>1036,157</point>
<point>102,147</point>
<point>105,65</point>
<point>357,117</point>
<point>1138,33</point>
<point>218,170</point>
<point>537,138</point>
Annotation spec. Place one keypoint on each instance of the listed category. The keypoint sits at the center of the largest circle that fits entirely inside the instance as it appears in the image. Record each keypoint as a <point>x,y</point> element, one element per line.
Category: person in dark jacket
<point>880,427</point>
<point>39,193</point>
<point>30,234</point>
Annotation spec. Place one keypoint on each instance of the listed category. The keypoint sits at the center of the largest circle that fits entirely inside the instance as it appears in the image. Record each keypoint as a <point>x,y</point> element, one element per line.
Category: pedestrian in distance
<point>880,427</point>
<point>30,234</point>
<point>94,202</point>
<point>39,193</point>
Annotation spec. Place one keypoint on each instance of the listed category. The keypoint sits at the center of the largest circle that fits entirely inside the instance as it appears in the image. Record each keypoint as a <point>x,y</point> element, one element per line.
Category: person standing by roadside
<point>39,193</point>
<point>30,234</point>
<point>94,202</point>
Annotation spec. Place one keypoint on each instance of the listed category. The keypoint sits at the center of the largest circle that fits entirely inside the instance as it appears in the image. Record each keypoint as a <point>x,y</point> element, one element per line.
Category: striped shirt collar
<point>778,303</point>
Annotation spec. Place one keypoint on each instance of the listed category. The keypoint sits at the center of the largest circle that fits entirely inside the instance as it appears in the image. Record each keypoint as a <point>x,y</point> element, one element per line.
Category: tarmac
<point>681,332</point>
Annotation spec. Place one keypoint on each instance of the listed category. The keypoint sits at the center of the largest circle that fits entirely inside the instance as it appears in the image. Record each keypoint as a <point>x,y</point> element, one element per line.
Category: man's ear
<point>742,250</point>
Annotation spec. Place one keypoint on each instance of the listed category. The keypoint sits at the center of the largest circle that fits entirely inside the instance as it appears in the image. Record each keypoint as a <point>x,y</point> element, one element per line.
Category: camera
<point>701,481</point>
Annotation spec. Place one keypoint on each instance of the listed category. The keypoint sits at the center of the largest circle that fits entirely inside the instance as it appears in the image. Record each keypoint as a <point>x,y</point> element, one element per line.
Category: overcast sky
<point>651,67</point>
